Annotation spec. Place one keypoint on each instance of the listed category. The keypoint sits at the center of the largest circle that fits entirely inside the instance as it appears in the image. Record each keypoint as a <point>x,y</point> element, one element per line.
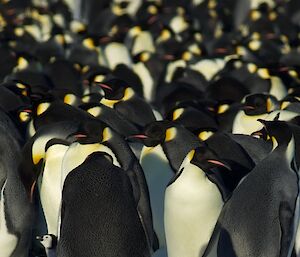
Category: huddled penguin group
<point>150,128</point>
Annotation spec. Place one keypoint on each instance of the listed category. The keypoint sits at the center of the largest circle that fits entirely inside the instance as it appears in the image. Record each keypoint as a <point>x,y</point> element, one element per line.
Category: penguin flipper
<point>142,198</point>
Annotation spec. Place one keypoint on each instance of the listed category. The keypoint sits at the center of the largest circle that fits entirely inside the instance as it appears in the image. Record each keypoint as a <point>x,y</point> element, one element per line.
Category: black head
<point>114,89</point>
<point>49,241</point>
<point>24,114</point>
<point>89,132</point>
<point>153,134</point>
<point>96,155</point>
<point>257,104</point>
<point>206,159</point>
<point>18,87</point>
<point>278,131</point>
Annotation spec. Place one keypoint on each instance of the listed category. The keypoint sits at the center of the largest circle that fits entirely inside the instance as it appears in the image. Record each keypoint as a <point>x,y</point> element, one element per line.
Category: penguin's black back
<point>136,110</point>
<point>18,210</point>
<point>98,205</point>
<point>258,219</point>
<point>134,171</point>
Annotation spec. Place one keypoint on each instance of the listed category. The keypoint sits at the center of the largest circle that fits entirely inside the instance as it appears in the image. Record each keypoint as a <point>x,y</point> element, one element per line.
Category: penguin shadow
<point>225,246</point>
<point>220,244</point>
<point>39,228</point>
<point>157,179</point>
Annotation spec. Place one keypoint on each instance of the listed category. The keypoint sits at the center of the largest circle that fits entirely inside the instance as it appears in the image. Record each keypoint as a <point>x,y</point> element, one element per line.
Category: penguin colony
<point>149,128</point>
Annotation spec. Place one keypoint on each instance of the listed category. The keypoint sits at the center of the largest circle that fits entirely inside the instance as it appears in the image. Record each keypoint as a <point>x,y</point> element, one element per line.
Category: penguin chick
<point>49,241</point>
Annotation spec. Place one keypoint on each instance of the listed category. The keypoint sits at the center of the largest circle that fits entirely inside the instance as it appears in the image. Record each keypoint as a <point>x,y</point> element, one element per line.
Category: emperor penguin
<point>165,147</point>
<point>82,146</point>
<point>96,136</point>
<point>193,202</point>
<point>99,205</point>
<point>265,219</point>
<point>122,98</point>
<point>16,213</point>
<point>255,106</point>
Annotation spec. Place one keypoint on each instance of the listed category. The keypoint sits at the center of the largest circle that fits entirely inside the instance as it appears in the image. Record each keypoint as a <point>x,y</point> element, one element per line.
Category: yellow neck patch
<point>170,134</point>
<point>190,155</point>
<point>106,134</point>
<point>177,113</point>
<point>42,107</point>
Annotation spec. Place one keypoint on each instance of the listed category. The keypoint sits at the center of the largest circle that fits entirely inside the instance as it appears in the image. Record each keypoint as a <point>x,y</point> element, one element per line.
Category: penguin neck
<point>288,150</point>
<point>177,148</point>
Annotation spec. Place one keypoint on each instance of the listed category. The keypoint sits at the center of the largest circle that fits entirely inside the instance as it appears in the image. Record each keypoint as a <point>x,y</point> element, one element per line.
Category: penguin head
<point>206,159</point>
<point>91,131</point>
<point>49,241</point>
<point>25,114</point>
<point>114,89</point>
<point>257,104</point>
<point>96,155</point>
<point>155,133</point>
<point>278,131</point>
<point>18,87</point>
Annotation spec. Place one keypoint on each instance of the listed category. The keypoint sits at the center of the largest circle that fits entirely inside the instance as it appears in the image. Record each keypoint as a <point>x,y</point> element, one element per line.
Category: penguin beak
<point>283,69</point>
<point>247,107</point>
<point>104,40</point>
<point>104,86</point>
<point>219,163</point>
<point>86,82</point>
<point>32,191</point>
<point>221,50</point>
<point>270,36</point>
<point>257,133</point>
<point>136,137</point>
<point>77,136</point>
<point>169,57</point>
<point>152,19</point>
